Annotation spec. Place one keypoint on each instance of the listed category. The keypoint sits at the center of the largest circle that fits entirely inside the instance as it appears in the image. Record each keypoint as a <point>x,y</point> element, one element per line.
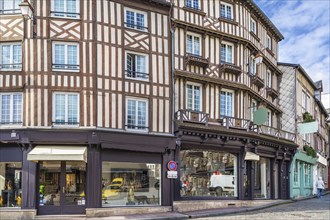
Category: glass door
<point>62,187</point>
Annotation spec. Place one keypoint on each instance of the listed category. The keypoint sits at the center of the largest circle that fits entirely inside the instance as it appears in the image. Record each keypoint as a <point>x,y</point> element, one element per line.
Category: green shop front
<point>301,184</point>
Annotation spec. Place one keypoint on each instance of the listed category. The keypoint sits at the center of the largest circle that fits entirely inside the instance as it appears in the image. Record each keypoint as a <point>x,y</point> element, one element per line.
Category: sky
<point>305,25</point>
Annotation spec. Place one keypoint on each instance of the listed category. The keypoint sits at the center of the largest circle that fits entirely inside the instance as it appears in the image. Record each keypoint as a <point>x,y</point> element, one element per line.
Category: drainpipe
<point>172,63</point>
<point>295,104</point>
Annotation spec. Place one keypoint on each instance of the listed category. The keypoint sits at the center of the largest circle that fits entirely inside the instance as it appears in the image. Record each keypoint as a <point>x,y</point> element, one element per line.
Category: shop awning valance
<point>67,153</point>
<point>251,156</point>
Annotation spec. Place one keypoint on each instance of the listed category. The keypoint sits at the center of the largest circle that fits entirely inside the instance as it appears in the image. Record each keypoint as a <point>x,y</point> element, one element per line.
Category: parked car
<point>222,184</point>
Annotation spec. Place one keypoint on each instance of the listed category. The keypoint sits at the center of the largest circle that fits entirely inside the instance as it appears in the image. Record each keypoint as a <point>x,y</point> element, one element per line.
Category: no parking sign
<point>172,166</point>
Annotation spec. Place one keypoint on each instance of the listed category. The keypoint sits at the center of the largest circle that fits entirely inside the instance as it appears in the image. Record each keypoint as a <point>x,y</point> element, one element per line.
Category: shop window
<point>307,176</point>
<point>296,174</point>
<point>10,6</point>
<point>262,178</point>
<point>10,56</point>
<point>208,173</point>
<point>65,8</point>
<point>129,184</point>
<point>10,184</point>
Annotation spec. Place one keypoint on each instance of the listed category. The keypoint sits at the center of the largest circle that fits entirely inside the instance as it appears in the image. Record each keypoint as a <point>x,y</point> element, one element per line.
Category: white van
<point>222,185</point>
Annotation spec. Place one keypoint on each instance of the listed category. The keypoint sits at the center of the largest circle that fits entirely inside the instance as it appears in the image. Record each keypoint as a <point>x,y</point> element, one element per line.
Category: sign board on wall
<point>172,174</point>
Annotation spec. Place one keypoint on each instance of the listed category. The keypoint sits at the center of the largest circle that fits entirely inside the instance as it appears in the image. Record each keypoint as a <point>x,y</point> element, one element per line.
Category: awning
<point>251,156</point>
<point>67,153</point>
<point>321,159</point>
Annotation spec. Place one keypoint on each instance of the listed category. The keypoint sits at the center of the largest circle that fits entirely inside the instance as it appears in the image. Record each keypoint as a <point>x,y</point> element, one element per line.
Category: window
<point>269,79</point>
<point>11,108</point>
<point>227,55</point>
<point>296,173</point>
<point>65,56</point>
<point>304,102</point>
<point>269,42</point>
<point>10,6</point>
<point>136,66</point>
<point>192,4</point>
<point>253,66</point>
<point>11,184</point>
<point>136,19</point>
<point>193,44</point>
<point>66,109</point>
<point>253,26</point>
<point>219,177</point>
<point>226,11</point>
<point>10,56</point>
<point>307,170</point>
<point>136,114</point>
<point>253,108</point>
<point>65,8</point>
<point>127,184</point>
<point>269,119</point>
<point>227,103</point>
<point>193,98</point>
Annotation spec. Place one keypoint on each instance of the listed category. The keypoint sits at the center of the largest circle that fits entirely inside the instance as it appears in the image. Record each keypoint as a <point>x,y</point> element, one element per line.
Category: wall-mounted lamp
<point>28,13</point>
<point>258,58</point>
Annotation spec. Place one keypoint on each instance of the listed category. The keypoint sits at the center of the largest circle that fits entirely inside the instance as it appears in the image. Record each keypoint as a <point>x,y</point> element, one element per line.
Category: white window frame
<point>227,60</point>
<point>269,78</point>
<point>11,44</point>
<point>193,96</point>
<point>145,19</point>
<point>194,35</point>
<point>136,115</point>
<point>66,69</point>
<point>269,42</point>
<point>227,91</point>
<point>192,4</point>
<point>66,109</point>
<point>253,66</point>
<point>269,119</point>
<point>146,66</point>
<point>253,26</point>
<point>226,11</point>
<point>65,13</point>
<point>303,102</point>
<point>253,107</point>
<point>11,111</point>
<point>11,10</point>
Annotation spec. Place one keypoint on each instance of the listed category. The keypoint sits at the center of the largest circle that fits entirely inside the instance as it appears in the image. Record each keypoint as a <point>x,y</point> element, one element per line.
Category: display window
<point>262,178</point>
<point>208,173</point>
<point>10,184</point>
<point>130,184</point>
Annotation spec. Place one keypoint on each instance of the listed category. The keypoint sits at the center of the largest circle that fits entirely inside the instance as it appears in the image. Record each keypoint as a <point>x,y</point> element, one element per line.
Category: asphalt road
<point>316,209</point>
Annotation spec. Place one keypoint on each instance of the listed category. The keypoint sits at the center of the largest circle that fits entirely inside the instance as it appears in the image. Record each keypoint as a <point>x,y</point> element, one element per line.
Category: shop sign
<point>172,174</point>
<point>172,165</point>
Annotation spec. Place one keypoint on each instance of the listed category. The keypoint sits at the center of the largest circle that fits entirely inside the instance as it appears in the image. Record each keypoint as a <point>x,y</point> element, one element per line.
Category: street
<point>304,209</point>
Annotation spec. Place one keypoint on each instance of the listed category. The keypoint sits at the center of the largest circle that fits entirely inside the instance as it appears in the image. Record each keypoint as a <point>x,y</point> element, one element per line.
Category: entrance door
<point>62,187</point>
<point>284,181</point>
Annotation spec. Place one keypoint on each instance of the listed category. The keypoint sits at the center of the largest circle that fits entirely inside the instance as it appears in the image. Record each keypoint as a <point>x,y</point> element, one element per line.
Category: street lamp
<point>28,13</point>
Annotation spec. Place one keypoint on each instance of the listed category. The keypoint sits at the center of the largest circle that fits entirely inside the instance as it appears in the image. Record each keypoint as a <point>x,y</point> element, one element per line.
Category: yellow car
<point>113,190</point>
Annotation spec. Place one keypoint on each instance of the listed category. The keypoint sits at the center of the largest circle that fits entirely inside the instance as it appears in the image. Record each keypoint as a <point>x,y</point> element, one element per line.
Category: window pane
<point>229,104</point>
<point>142,115</point>
<point>140,64</point>
<point>60,108</point>
<point>223,53</point>
<point>5,55</point>
<point>71,6</point>
<point>229,54</point>
<point>127,184</point>
<point>72,57</point>
<point>59,55</point>
<point>189,97</point>
<point>197,98</point>
<point>11,184</point>
<point>196,4</point>
<point>189,3</point>
<point>130,19</point>
<point>223,104</point>
<point>140,21</point>
<point>229,12</point>
<point>17,108</point>
<point>59,7</point>
<point>189,44</point>
<point>196,46</point>
<point>5,109</point>
<point>131,114</point>
<point>223,11</point>
<point>72,109</point>
<point>17,56</point>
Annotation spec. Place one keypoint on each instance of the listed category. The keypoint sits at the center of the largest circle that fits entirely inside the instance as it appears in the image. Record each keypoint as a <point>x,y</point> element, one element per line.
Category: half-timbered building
<point>226,81</point>
<point>86,109</point>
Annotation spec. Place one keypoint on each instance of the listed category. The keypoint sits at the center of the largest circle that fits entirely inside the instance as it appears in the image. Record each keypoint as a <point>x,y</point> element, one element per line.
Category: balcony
<point>230,68</point>
<point>256,80</point>
<point>192,116</point>
<point>196,60</point>
<point>272,92</point>
<point>232,124</point>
